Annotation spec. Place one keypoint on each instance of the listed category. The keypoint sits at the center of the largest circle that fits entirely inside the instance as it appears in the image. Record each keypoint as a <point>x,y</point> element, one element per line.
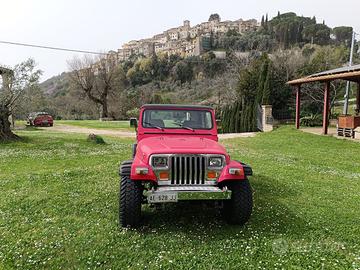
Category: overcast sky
<point>105,25</point>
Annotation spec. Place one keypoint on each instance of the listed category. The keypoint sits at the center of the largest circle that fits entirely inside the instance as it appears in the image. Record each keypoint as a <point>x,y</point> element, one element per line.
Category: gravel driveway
<point>120,133</point>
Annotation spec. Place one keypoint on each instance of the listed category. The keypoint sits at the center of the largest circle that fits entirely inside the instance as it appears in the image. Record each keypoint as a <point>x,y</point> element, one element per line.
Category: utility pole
<point>346,100</point>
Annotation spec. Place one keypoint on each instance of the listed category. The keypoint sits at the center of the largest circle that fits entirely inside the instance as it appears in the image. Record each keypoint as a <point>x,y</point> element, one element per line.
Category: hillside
<point>296,45</point>
<point>57,85</point>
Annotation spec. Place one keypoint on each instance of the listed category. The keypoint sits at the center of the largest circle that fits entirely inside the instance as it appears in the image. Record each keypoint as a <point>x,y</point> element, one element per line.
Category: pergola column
<point>297,113</point>
<point>326,108</point>
<point>358,98</point>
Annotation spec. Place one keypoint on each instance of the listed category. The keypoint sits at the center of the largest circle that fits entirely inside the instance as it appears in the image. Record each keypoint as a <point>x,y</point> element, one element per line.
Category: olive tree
<point>13,84</point>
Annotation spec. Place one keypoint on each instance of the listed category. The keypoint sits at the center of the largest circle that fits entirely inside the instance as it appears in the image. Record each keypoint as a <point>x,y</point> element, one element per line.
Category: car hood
<point>179,145</point>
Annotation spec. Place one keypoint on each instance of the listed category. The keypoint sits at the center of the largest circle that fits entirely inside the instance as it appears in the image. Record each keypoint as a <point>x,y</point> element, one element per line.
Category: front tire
<point>238,209</point>
<point>130,198</point>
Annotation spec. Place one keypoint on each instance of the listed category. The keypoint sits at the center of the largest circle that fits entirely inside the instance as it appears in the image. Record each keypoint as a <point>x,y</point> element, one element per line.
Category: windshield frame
<point>176,109</point>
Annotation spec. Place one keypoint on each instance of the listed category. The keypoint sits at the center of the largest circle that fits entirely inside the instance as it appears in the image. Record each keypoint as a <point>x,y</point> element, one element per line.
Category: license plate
<point>162,198</point>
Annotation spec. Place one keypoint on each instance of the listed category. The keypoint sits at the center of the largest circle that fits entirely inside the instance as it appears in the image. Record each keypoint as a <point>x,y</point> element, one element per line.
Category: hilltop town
<point>183,40</point>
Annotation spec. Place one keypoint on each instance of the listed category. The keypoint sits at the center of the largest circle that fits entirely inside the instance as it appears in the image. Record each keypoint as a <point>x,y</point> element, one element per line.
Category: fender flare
<point>247,168</point>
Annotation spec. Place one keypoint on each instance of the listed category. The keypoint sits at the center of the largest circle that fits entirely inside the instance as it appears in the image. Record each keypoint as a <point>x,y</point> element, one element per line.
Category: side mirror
<point>133,122</point>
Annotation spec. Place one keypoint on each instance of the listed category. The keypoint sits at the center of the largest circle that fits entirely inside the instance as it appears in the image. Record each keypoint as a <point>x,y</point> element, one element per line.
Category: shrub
<point>134,113</point>
<point>95,139</point>
<point>311,120</point>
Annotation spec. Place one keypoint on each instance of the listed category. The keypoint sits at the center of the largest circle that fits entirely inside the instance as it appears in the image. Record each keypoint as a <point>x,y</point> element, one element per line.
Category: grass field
<point>97,124</point>
<point>59,203</point>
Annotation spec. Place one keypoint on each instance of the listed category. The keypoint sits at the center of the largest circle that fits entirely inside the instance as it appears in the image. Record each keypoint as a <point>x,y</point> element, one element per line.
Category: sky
<point>105,25</point>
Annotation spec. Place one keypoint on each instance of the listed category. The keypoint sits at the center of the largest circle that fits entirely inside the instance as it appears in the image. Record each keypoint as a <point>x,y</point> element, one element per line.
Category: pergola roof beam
<point>348,76</point>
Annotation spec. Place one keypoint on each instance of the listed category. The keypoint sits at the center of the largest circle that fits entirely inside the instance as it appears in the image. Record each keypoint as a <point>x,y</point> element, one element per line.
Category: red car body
<point>177,144</point>
<point>179,141</point>
<point>187,150</point>
<point>40,120</point>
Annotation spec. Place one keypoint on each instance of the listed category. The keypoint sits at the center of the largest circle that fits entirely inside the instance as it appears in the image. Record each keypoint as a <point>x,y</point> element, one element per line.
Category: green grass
<point>96,124</point>
<point>59,203</point>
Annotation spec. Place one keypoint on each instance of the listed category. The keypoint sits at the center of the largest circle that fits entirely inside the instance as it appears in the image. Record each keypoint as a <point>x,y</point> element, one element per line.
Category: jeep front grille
<point>188,169</point>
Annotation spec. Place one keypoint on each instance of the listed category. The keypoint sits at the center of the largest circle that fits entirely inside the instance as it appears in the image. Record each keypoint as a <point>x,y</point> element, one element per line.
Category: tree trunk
<point>104,110</point>
<point>5,130</point>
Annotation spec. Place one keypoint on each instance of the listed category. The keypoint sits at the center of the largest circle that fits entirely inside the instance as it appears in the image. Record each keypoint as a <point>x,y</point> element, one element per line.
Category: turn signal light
<point>212,175</point>
<point>235,171</point>
<point>163,176</point>
<point>142,170</point>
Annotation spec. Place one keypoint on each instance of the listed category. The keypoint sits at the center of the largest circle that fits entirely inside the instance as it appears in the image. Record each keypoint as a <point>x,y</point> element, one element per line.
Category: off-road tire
<point>238,209</point>
<point>130,198</point>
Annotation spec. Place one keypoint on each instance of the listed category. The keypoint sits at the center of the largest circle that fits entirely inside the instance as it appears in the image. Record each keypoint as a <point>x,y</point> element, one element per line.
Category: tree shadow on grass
<point>270,215</point>
<point>26,139</point>
<point>31,128</point>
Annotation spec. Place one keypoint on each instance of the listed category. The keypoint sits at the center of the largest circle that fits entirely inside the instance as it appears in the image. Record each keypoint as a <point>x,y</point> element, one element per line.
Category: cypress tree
<point>240,112</point>
<point>231,115</point>
<point>299,33</point>
<point>225,120</point>
<point>233,118</point>
<point>253,117</point>
<point>261,81</point>
<point>286,38</point>
<point>249,117</point>
<point>229,112</point>
<point>236,117</point>
<point>266,23</point>
<point>267,89</point>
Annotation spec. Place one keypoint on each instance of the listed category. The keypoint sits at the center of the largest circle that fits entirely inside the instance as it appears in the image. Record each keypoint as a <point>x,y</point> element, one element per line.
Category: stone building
<point>183,40</point>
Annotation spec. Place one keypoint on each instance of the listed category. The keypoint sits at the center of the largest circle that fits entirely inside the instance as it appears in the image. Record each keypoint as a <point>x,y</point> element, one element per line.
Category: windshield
<point>180,119</point>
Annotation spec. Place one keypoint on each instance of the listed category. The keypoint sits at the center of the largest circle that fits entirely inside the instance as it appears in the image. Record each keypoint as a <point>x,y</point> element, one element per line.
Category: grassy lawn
<point>96,124</point>
<point>59,203</point>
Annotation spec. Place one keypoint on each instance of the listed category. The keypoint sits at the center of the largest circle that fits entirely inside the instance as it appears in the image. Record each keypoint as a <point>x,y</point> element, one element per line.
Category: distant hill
<point>56,86</point>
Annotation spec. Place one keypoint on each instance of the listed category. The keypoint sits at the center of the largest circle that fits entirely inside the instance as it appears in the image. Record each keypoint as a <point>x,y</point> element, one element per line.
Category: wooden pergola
<point>351,73</point>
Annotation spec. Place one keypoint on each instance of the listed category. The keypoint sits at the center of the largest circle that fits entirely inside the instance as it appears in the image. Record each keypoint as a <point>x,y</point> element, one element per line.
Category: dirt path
<point>129,134</point>
<point>74,129</point>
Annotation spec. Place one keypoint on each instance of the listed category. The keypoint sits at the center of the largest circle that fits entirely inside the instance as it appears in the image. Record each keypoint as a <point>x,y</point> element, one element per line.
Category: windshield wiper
<point>189,128</point>
<point>154,126</point>
<point>184,127</point>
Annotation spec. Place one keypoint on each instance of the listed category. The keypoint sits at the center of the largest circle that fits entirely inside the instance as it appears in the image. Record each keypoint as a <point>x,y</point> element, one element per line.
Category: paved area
<point>331,132</point>
<point>237,135</point>
<point>318,130</point>
<point>129,134</point>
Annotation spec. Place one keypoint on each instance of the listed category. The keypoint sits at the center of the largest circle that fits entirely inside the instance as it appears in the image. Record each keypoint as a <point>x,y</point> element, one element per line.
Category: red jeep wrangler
<point>177,157</point>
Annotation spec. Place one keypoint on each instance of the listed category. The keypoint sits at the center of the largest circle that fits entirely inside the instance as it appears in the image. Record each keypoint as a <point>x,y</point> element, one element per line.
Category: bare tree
<point>14,83</point>
<point>98,78</point>
<point>315,93</point>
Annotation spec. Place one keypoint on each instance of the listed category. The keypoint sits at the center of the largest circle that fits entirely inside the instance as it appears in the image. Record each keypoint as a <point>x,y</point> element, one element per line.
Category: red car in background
<point>40,119</point>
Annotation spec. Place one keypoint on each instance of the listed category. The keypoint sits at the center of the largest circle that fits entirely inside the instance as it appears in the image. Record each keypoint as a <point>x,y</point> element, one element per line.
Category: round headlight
<point>215,162</point>
<point>159,162</point>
